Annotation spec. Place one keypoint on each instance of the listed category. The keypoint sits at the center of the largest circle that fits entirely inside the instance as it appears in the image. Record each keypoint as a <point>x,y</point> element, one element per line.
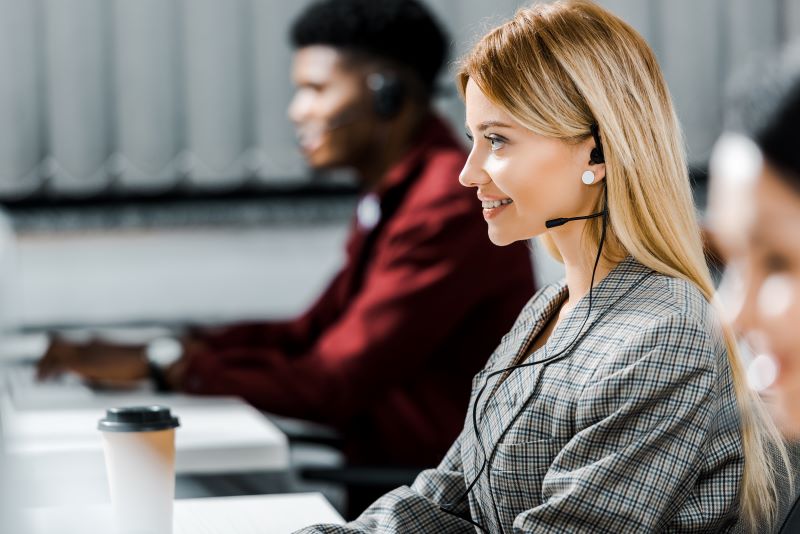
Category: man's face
<point>331,108</point>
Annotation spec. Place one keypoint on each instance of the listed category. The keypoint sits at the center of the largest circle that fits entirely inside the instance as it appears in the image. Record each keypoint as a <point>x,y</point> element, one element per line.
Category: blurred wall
<point>698,44</point>
<point>137,95</point>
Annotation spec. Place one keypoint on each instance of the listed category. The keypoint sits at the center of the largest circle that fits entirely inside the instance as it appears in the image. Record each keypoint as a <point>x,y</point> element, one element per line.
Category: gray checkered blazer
<point>636,431</point>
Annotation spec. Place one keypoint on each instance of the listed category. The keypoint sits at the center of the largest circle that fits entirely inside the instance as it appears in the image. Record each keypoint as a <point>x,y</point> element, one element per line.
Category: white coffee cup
<point>139,444</point>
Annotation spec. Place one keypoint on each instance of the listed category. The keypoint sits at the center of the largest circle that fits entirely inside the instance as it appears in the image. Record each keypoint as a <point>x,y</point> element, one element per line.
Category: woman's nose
<point>472,175</point>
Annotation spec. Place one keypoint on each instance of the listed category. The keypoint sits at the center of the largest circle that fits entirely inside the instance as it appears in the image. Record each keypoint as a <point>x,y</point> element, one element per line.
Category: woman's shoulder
<point>671,297</point>
<point>671,313</point>
<point>643,296</point>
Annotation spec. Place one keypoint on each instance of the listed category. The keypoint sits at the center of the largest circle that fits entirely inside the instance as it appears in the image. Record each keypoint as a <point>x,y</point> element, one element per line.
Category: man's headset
<point>388,94</point>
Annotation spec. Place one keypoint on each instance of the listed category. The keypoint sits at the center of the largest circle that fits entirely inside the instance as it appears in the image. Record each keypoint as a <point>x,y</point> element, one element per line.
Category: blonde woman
<point>616,403</point>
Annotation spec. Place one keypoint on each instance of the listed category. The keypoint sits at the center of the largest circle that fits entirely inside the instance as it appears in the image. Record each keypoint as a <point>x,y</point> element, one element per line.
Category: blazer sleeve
<point>415,510</point>
<point>642,424</point>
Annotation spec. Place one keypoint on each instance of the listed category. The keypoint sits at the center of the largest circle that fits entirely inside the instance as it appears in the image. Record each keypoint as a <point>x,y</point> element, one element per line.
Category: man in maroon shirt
<point>388,351</point>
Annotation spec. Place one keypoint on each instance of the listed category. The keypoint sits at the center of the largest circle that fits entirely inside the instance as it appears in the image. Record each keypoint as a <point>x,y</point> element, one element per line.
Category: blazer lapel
<point>498,411</point>
<point>626,276</point>
<point>497,400</point>
<point>536,316</point>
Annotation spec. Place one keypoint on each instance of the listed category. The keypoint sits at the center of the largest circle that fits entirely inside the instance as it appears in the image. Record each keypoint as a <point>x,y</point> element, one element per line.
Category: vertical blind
<point>145,95</point>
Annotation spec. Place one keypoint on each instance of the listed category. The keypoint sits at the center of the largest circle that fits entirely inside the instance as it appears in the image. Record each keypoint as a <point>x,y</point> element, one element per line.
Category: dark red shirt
<point>388,351</point>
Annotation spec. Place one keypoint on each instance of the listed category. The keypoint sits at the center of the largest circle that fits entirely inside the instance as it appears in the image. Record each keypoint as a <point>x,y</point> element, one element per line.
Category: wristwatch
<point>161,353</point>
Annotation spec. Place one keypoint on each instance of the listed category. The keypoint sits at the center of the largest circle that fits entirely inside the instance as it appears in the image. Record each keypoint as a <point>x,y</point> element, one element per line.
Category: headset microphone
<point>553,223</point>
<point>345,118</point>
<point>595,157</point>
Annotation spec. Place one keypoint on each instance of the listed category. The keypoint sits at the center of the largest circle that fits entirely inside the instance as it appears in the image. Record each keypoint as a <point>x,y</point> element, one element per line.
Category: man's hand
<point>175,374</point>
<point>99,362</point>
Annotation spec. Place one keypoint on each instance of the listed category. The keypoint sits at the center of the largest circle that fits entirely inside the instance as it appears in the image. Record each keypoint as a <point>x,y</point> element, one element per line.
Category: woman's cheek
<point>497,170</point>
<point>778,304</point>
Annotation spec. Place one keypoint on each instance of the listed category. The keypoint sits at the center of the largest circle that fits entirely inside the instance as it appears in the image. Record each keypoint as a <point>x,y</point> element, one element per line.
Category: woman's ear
<point>597,160</point>
<point>599,170</point>
<point>594,162</point>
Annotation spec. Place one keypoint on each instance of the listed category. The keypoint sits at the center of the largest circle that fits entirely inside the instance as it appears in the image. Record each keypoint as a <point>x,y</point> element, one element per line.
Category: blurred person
<point>387,352</point>
<point>754,212</point>
<point>617,402</point>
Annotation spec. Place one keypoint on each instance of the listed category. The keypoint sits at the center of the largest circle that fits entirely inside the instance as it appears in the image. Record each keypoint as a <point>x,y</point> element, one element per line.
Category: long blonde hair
<point>559,68</point>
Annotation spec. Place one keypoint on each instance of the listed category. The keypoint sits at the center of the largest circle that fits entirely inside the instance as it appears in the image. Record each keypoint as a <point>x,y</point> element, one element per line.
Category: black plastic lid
<point>138,419</point>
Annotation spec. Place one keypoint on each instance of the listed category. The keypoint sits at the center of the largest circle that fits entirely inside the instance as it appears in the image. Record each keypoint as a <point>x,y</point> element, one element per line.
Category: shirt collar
<point>433,134</point>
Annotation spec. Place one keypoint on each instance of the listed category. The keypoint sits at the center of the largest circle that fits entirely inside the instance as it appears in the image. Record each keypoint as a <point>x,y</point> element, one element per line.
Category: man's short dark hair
<point>399,31</point>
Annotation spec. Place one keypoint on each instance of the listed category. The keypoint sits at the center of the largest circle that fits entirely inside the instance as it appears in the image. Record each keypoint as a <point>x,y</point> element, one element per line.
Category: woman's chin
<point>499,238</point>
<point>781,400</point>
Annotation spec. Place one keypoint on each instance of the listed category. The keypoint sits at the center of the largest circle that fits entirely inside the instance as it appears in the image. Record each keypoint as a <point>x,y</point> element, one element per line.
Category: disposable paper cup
<point>139,445</point>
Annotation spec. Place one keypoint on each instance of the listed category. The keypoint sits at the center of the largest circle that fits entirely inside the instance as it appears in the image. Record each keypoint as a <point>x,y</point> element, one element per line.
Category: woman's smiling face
<point>523,179</point>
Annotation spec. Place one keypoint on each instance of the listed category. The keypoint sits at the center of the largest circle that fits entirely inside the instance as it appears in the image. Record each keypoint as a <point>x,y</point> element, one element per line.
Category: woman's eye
<point>496,142</point>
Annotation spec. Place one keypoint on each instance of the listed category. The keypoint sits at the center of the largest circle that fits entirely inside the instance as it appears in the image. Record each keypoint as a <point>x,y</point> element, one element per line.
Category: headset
<point>388,95</point>
<point>596,156</point>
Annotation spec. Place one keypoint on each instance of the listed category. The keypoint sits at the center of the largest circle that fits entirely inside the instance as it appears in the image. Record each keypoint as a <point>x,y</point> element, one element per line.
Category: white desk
<point>267,514</point>
<point>56,451</point>
<point>217,435</point>
<point>48,424</point>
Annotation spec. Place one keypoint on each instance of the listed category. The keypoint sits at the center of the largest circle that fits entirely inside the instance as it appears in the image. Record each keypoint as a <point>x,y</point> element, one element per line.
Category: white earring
<point>587,177</point>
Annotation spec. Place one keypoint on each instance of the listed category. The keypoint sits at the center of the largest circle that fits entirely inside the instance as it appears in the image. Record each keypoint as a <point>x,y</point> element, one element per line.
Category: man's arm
<point>411,300</point>
<point>288,337</point>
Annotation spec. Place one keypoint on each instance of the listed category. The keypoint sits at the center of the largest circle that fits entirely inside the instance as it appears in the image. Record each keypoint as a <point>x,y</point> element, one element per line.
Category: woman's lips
<point>488,204</point>
<point>493,208</point>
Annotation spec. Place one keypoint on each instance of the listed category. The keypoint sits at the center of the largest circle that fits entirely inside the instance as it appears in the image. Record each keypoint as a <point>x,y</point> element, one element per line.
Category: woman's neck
<point>579,261</point>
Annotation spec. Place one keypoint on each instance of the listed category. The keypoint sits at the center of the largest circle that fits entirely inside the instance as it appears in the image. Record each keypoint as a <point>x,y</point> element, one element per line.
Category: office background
<point>149,172</point>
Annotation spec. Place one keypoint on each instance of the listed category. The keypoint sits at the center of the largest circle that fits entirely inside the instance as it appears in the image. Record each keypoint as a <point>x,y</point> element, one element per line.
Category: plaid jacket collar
<point>513,394</point>
<point>622,279</point>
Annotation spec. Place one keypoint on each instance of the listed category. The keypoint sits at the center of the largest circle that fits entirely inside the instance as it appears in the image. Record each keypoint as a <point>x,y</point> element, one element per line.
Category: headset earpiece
<point>388,94</point>
<point>596,155</point>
